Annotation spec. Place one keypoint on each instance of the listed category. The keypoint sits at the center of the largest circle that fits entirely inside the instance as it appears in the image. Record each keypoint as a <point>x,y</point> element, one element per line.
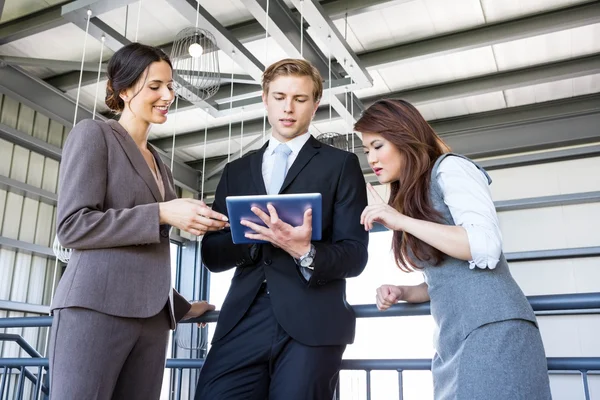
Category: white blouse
<point>467,195</point>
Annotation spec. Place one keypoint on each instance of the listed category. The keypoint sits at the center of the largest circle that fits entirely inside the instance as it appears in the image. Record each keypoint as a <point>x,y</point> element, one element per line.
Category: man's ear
<point>264,98</point>
<point>316,108</point>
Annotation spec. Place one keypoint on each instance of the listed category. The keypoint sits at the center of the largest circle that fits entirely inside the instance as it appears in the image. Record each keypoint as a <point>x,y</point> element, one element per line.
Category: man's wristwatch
<point>307,260</point>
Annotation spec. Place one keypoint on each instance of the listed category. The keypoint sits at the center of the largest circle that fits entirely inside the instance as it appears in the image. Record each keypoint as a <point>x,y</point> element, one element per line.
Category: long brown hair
<point>401,124</point>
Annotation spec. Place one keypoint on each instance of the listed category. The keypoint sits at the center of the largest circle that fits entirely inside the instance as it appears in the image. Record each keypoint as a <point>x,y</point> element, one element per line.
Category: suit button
<point>268,261</point>
<point>164,232</point>
<point>321,282</point>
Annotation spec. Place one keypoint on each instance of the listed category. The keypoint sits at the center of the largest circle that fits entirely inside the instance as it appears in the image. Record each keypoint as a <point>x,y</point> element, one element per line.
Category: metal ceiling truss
<point>28,25</point>
<point>552,21</point>
<point>225,40</point>
<point>76,12</point>
<point>47,100</point>
<point>285,28</point>
<point>445,91</point>
<point>541,126</point>
<point>571,68</point>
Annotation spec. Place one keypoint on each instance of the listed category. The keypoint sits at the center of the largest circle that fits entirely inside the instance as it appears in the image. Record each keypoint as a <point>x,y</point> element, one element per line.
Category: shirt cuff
<point>481,249</point>
<point>306,272</point>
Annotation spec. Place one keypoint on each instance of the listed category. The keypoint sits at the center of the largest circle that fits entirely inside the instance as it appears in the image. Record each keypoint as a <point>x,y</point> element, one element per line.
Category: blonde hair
<point>293,67</point>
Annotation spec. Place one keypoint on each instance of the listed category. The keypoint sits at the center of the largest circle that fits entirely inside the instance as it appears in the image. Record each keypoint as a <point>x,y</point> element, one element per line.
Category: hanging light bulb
<point>195,50</point>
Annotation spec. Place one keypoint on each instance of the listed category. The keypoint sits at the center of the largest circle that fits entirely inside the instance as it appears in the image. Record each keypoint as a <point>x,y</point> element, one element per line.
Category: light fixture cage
<point>196,78</point>
<point>334,139</point>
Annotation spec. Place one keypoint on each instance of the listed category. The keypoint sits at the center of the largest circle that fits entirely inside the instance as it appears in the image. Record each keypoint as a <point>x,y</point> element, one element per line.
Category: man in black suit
<point>285,322</point>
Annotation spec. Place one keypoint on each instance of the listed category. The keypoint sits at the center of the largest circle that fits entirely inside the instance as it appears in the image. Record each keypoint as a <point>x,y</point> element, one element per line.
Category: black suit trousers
<point>258,360</point>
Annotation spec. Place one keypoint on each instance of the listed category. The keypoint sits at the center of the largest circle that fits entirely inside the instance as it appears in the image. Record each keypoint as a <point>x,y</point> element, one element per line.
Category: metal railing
<point>566,304</point>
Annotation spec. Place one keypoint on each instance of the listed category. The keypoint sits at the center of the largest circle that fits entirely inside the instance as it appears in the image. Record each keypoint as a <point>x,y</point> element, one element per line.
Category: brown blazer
<point>108,214</point>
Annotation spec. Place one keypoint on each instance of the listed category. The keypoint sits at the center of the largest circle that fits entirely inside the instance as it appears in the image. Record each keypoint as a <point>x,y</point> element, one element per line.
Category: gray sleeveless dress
<point>487,342</point>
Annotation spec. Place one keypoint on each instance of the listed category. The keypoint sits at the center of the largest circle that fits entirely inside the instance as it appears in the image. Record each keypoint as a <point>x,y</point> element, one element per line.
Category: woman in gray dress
<point>487,341</point>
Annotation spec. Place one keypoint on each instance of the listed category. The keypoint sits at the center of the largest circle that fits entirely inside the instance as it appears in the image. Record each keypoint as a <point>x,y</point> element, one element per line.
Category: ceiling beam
<point>251,127</point>
<point>520,160</point>
<point>549,22</point>
<point>339,49</point>
<point>40,96</point>
<point>541,126</point>
<point>553,21</point>
<point>245,31</point>
<point>37,22</point>
<point>225,40</point>
<point>445,91</point>
<point>504,80</point>
<point>57,106</point>
<point>76,12</point>
<point>48,63</point>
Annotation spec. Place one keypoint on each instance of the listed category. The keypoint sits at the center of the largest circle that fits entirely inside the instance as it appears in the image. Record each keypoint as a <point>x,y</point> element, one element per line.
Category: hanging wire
<point>329,67</point>
<point>264,138</point>
<point>301,28</point>
<point>204,153</point>
<point>230,106</point>
<point>197,12</point>
<point>352,110</point>
<point>87,28</point>
<point>126,20</point>
<point>174,132</point>
<point>98,78</point>
<point>137,25</point>
<point>242,134</point>
<point>346,106</point>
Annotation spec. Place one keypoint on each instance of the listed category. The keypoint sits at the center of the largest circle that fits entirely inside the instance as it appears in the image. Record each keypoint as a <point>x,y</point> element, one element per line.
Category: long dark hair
<point>125,69</point>
<point>401,124</point>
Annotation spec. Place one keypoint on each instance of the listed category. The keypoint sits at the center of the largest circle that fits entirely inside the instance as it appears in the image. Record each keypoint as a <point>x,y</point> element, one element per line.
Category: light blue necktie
<point>281,154</point>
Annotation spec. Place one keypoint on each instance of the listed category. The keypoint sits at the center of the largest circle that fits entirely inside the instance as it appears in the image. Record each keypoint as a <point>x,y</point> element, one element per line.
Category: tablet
<point>290,208</point>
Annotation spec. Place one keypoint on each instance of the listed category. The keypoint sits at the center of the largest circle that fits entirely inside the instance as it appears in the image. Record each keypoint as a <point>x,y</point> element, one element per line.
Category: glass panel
<point>386,338</point>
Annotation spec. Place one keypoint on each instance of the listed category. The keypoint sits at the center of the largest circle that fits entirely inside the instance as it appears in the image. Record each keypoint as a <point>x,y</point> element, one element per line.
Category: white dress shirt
<point>295,145</point>
<point>467,195</point>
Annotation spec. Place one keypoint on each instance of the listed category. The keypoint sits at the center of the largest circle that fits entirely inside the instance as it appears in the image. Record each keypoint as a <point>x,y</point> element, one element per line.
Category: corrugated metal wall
<point>27,277</point>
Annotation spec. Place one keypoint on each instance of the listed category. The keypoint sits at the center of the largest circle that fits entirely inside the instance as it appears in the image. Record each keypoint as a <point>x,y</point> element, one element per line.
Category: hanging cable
<point>197,11</point>
<point>87,28</point>
<point>352,111</point>
<point>126,20</point>
<point>230,106</point>
<point>137,25</point>
<point>174,132</point>
<point>329,67</point>
<point>346,106</point>
<point>204,153</point>
<point>242,134</point>
<point>98,78</point>
<point>301,28</point>
<point>264,138</point>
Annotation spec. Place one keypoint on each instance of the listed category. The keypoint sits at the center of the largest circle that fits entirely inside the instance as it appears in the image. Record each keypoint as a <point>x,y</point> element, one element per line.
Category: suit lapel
<point>308,151</point>
<point>137,159</point>
<point>256,161</point>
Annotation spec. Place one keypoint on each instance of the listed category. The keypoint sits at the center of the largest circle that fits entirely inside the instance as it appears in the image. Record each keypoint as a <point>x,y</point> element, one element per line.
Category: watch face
<point>306,261</point>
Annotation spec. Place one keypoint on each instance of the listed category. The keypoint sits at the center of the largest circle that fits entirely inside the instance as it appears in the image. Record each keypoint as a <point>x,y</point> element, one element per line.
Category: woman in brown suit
<point>114,306</point>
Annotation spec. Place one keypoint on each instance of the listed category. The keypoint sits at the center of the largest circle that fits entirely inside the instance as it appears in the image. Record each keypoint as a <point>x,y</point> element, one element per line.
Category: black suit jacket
<point>313,312</point>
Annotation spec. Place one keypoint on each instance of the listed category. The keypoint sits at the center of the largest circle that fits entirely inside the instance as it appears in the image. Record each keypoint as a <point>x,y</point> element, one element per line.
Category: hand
<point>380,212</point>
<point>192,216</point>
<point>198,309</point>
<point>387,295</point>
<point>294,240</point>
